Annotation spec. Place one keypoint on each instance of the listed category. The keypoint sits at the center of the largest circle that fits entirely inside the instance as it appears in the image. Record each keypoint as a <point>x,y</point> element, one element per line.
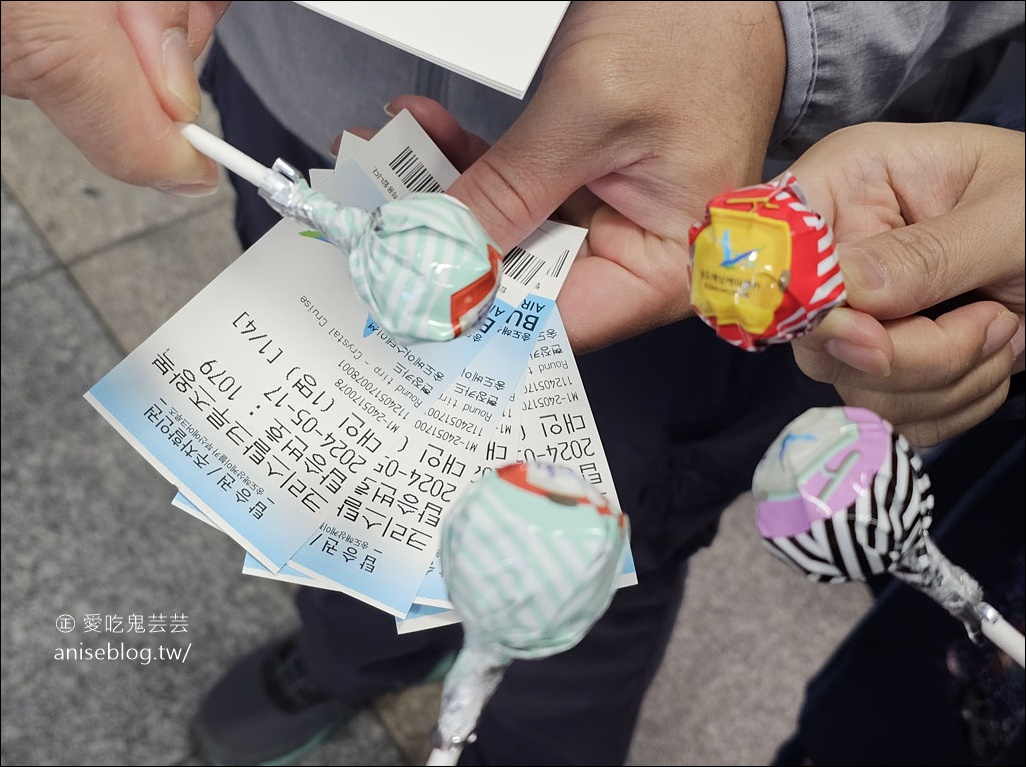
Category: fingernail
<point>188,190</point>
<point>872,361</point>
<point>862,270</point>
<point>1019,340</point>
<point>180,72</point>
<point>1001,330</point>
<point>390,110</point>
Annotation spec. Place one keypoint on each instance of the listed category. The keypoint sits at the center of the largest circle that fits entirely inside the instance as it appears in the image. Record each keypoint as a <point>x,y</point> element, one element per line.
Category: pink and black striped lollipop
<point>841,496</point>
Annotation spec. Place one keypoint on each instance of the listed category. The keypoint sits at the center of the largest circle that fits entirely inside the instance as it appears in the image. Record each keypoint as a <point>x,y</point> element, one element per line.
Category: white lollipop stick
<point>443,758</point>
<point>222,152</point>
<point>1004,635</point>
<point>281,185</point>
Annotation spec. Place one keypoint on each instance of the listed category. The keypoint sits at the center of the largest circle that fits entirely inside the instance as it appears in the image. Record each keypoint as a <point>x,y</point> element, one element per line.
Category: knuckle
<point>925,434</point>
<point>988,395</point>
<point>855,396</point>
<point>925,259</point>
<point>987,379</point>
<point>954,364</point>
<point>973,379</point>
<point>816,364</point>
<point>500,200</point>
<point>35,49</point>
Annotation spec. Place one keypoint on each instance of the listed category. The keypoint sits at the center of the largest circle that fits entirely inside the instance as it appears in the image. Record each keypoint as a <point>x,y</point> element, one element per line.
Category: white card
<point>499,44</point>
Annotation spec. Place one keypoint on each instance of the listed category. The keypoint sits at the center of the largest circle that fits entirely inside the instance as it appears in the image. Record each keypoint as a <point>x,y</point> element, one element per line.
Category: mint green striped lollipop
<point>530,556</point>
<point>424,266</point>
<point>428,271</point>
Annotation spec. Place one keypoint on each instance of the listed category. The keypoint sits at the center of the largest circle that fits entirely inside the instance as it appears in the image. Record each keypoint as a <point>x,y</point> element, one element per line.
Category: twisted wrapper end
<point>288,193</point>
<point>948,584</point>
<point>469,685</point>
<point>281,187</point>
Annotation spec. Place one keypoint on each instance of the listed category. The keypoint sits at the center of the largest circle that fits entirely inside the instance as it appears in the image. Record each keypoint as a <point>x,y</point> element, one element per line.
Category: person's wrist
<point>747,66</point>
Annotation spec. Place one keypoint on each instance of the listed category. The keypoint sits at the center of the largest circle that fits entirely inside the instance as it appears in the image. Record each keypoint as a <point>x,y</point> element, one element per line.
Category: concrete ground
<point>90,267</point>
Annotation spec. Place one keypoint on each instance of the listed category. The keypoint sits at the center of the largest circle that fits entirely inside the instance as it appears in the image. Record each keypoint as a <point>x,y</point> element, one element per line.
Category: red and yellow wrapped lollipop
<point>763,267</point>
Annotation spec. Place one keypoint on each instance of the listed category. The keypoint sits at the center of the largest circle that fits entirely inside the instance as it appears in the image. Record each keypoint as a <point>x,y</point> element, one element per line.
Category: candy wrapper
<point>530,556</point>
<point>841,497</point>
<point>428,271</point>
<point>424,266</point>
<point>763,268</point>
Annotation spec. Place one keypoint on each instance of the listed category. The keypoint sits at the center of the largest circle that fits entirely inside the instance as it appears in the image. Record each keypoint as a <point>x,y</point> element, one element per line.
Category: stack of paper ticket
<point>287,419</point>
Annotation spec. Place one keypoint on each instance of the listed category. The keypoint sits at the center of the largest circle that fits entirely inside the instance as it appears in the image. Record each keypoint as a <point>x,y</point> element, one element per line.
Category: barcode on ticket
<point>557,267</point>
<point>521,266</point>
<point>412,173</point>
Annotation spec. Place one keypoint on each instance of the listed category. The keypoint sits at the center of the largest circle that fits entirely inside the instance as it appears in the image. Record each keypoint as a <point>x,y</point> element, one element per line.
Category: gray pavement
<point>91,267</point>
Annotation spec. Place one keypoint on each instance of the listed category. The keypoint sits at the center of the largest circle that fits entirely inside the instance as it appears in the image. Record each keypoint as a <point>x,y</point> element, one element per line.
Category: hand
<point>925,216</point>
<point>115,78</point>
<point>652,108</point>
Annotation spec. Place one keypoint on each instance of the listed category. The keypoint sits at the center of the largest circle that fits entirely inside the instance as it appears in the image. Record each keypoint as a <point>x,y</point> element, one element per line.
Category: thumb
<point>530,171</point>
<point>159,32</point>
<point>167,38</point>
<point>911,268</point>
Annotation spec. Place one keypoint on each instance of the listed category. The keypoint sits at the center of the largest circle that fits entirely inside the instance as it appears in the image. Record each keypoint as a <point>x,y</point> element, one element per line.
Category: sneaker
<point>266,711</point>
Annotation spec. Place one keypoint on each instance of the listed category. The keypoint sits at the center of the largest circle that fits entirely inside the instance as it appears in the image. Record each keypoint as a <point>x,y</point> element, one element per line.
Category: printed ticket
<point>290,421</point>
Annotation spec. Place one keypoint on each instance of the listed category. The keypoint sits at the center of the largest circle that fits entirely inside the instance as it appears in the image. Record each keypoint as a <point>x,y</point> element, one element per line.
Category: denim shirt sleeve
<point>851,62</point>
